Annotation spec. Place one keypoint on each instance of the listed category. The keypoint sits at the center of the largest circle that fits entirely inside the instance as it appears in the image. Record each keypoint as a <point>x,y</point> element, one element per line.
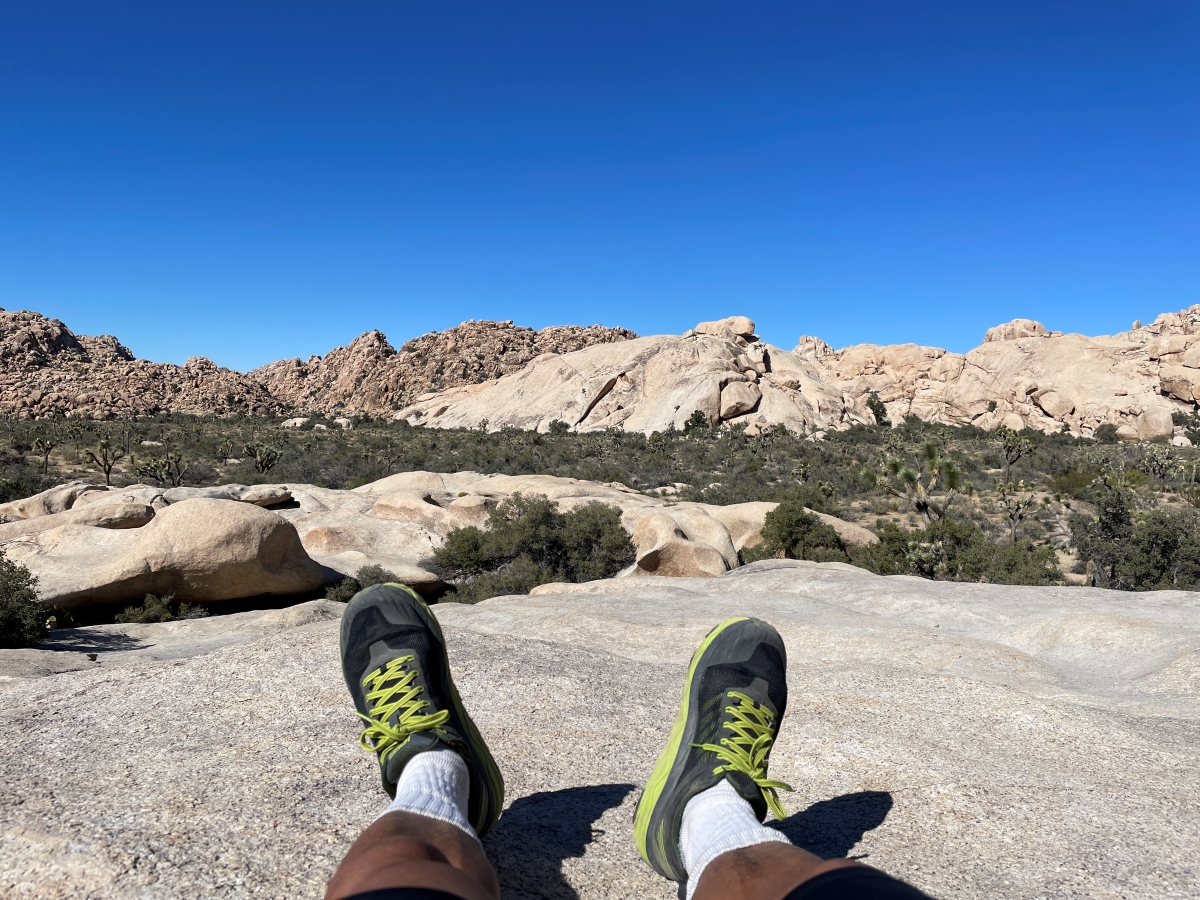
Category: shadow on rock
<point>831,828</point>
<point>535,834</point>
<point>81,640</point>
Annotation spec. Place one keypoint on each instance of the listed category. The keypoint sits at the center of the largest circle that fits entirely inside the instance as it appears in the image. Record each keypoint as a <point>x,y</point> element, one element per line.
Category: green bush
<point>956,551</point>
<point>23,620</point>
<point>1124,549</point>
<point>344,591</point>
<point>792,532</point>
<point>527,542</point>
<point>1106,433</point>
<point>159,609</point>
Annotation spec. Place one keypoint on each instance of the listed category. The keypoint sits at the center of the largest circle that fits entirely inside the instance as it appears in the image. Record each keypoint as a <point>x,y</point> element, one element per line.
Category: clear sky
<point>248,180</point>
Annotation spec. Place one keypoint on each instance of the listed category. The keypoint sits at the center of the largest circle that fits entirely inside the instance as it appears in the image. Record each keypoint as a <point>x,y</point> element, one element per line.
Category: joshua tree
<point>1013,446</point>
<point>1158,462</point>
<point>106,456</point>
<point>1016,500</point>
<point>265,456</point>
<point>45,442</point>
<point>936,474</point>
<point>168,469</point>
<point>225,450</point>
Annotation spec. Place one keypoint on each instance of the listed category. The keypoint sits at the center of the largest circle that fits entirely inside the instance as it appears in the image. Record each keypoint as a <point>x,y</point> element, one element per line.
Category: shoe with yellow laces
<point>394,661</point>
<point>733,700</point>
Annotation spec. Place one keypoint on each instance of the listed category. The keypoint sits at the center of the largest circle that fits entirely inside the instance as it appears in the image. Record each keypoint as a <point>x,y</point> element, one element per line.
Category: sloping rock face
<point>720,370</point>
<point>981,741</point>
<point>368,376</point>
<point>47,370</point>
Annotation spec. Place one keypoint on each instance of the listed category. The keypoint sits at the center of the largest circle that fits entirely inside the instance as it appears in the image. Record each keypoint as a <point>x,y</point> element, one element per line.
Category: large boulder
<point>196,550</point>
<point>739,398</point>
<point>1014,330</point>
<point>663,548</point>
<point>733,326</point>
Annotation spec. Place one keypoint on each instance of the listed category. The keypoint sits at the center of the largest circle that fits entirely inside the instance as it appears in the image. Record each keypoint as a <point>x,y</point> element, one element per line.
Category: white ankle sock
<point>435,783</point>
<point>716,821</point>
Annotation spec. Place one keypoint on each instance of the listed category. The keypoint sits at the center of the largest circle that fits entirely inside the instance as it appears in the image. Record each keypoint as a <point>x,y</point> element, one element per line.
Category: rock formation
<point>91,546</point>
<point>1021,376</point>
<point>979,740</point>
<point>45,370</point>
<point>720,369</point>
<point>1024,376</point>
<point>368,376</point>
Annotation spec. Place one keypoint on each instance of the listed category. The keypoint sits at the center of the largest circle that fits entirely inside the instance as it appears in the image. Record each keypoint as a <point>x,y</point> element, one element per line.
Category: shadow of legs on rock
<point>535,834</point>
<point>831,828</point>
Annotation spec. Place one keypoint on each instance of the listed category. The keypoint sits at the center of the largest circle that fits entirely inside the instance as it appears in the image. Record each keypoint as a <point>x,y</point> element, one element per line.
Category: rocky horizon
<point>498,373</point>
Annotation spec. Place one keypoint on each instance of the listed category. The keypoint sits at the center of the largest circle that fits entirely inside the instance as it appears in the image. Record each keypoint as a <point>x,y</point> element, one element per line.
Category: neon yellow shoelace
<point>747,750</point>
<point>391,689</point>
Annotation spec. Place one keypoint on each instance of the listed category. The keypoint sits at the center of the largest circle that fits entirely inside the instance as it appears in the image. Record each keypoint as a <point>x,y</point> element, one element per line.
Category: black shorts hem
<point>405,893</point>
<point>855,883</point>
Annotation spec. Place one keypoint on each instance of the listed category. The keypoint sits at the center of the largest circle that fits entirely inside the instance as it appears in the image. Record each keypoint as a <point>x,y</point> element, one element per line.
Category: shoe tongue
<point>421,741</point>
<point>748,791</point>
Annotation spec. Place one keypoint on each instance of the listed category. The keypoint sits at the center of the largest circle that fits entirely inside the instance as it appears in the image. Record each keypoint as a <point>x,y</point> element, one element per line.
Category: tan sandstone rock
<point>738,398</point>
<point>96,515</point>
<point>1011,331</point>
<point>196,550</point>
<point>733,326</point>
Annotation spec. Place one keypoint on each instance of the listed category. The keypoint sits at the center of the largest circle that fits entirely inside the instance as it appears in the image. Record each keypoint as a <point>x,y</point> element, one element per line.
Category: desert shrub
<point>23,620</point>
<point>1073,483</point>
<point>792,532</point>
<point>1125,549</point>
<point>955,550</point>
<point>159,609</point>
<point>1106,433</point>
<point>527,541</point>
<point>344,590</point>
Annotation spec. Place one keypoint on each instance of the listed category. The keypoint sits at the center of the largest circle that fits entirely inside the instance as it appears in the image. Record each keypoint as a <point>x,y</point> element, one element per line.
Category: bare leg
<point>407,850</point>
<point>762,872</point>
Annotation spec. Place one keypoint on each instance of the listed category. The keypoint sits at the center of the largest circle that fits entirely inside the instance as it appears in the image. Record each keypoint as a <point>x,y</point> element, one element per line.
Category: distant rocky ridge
<point>369,376</point>
<point>45,370</point>
<point>1021,376</point>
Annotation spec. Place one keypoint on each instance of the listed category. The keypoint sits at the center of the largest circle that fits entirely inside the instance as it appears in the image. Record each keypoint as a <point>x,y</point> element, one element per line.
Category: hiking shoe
<point>733,700</point>
<point>394,661</point>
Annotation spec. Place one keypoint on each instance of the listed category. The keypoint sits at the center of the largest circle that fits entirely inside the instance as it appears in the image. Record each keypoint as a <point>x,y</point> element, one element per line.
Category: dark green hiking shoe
<point>394,661</point>
<point>733,700</point>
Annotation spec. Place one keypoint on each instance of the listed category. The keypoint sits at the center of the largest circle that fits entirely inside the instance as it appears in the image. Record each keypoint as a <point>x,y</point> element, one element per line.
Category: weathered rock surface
<point>95,515</point>
<point>196,550</point>
<point>1021,376</point>
<point>651,384</point>
<point>369,376</point>
<point>981,741</point>
<point>395,523</point>
<point>1024,376</point>
<point>45,369</point>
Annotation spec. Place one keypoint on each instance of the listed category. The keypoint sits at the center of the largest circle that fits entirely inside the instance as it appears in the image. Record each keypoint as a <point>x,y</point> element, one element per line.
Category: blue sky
<point>249,181</point>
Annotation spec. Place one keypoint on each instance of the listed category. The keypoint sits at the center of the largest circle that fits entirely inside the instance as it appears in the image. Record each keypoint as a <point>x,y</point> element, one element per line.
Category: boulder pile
<point>92,546</point>
<point>368,376</point>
